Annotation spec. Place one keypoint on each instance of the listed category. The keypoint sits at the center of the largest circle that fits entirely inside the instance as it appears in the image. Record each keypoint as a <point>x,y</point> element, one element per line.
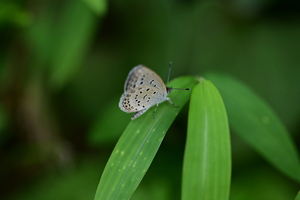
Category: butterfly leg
<point>139,113</point>
<point>155,111</point>
<point>157,106</point>
<point>173,103</point>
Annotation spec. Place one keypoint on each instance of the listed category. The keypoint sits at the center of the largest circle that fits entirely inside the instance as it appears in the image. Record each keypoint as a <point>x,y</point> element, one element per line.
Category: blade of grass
<point>207,158</point>
<point>138,145</point>
<point>253,120</point>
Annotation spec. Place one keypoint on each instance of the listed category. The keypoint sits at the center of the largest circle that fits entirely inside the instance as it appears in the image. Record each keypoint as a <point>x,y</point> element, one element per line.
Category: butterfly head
<point>169,89</point>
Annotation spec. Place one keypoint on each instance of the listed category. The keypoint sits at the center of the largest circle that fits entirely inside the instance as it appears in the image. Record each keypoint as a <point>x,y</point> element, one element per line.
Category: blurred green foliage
<point>62,69</point>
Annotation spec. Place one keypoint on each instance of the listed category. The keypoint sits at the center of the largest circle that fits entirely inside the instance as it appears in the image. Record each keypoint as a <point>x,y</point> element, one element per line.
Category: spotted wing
<point>142,76</point>
<point>142,98</point>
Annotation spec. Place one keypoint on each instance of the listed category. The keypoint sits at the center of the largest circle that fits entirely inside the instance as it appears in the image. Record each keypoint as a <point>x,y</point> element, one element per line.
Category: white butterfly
<point>143,89</point>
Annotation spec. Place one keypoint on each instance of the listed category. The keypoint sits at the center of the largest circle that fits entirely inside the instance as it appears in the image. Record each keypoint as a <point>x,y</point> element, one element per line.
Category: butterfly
<point>143,89</point>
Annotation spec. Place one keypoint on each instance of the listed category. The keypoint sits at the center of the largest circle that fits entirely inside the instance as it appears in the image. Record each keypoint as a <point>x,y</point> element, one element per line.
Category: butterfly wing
<point>141,98</point>
<point>143,88</point>
<point>131,78</point>
<point>143,76</point>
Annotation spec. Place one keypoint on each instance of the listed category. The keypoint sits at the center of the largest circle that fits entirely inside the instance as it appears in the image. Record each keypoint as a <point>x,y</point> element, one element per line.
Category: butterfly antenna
<point>181,88</point>
<point>170,88</point>
<point>170,66</point>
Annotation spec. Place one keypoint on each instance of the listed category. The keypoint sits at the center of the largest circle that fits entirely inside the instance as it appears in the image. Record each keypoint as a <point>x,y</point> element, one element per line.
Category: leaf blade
<point>207,158</point>
<point>254,121</point>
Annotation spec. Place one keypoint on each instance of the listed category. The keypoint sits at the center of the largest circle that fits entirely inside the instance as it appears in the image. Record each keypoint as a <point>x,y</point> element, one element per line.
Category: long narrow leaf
<point>207,158</point>
<point>71,42</point>
<point>138,145</point>
<point>252,119</point>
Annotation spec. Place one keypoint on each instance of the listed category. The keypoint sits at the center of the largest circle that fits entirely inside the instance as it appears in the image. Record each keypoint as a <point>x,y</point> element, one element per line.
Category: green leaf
<point>138,145</point>
<point>298,196</point>
<point>97,6</point>
<point>71,42</point>
<point>207,158</point>
<point>253,120</point>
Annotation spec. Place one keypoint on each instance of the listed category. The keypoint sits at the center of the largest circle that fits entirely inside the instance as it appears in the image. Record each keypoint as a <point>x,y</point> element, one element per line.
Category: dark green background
<point>62,69</point>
